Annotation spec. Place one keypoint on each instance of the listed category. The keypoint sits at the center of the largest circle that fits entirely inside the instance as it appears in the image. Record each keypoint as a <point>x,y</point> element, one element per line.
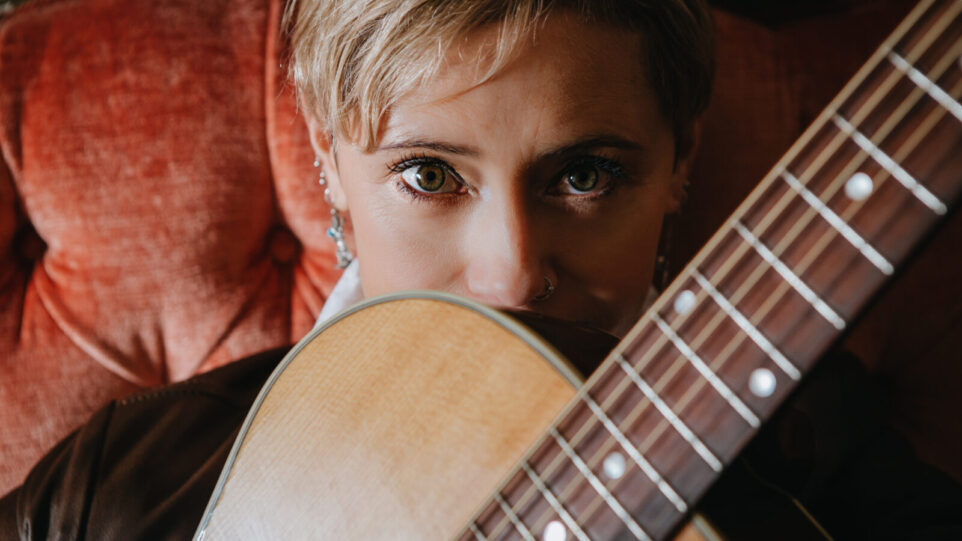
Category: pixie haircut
<point>351,60</point>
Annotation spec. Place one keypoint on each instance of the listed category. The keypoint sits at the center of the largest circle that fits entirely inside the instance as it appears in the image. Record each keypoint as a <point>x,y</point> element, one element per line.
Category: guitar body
<point>394,421</point>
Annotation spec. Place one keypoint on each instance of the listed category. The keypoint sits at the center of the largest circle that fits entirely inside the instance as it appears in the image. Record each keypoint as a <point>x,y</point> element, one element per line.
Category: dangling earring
<point>336,231</point>
<point>662,274</point>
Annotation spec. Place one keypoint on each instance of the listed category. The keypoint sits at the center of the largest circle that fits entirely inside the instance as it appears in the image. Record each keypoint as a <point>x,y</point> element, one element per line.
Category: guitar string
<point>666,425</point>
<point>702,383</point>
<point>872,68</point>
<point>680,406</point>
<point>719,360</point>
<point>906,148</point>
<point>830,234</point>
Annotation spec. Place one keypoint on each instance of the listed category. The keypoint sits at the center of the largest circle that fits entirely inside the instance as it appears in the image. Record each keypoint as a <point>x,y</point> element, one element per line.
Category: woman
<point>534,176</point>
<point>523,154</point>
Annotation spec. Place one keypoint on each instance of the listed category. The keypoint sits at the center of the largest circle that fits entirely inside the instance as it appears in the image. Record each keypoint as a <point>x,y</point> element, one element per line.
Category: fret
<point>628,482</point>
<point>515,521</point>
<point>490,519</point>
<point>775,308</point>
<point>928,138</point>
<point>477,533</point>
<point>625,407</point>
<point>719,385</point>
<point>828,230</point>
<point>636,456</point>
<point>732,356</point>
<point>573,526</point>
<point>926,84</point>
<point>876,115</point>
<point>740,353</point>
<point>562,476</point>
<point>599,487</point>
<point>820,306</point>
<point>840,225</point>
<point>670,416</point>
<point>874,217</point>
<point>521,496</point>
<point>930,149</point>
<point>893,168</point>
<point>749,329</point>
<point>884,88</point>
<point>928,20</point>
<point>795,234</point>
<point>565,479</point>
<point>901,95</point>
<point>942,33</point>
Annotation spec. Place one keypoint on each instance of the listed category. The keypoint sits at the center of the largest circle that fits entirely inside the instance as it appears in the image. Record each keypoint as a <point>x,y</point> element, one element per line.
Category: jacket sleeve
<point>53,500</point>
<point>141,468</point>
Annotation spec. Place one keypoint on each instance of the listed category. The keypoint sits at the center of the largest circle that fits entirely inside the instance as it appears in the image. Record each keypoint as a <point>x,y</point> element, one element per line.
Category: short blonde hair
<point>351,60</point>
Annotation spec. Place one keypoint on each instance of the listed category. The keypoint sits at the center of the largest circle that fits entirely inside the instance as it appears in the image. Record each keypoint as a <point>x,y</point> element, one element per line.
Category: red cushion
<point>165,168</point>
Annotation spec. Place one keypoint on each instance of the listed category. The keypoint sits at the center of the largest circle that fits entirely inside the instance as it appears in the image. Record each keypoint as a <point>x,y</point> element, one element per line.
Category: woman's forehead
<point>573,75</point>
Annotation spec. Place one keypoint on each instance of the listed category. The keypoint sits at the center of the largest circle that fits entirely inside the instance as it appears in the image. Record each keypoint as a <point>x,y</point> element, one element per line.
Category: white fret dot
<point>555,531</point>
<point>859,186</point>
<point>762,382</point>
<point>614,465</point>
<point>684,302</point>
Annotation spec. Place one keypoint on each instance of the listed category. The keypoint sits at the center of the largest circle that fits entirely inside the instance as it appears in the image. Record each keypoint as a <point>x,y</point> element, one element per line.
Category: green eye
<point>429,178</point>
<point>582,179</point>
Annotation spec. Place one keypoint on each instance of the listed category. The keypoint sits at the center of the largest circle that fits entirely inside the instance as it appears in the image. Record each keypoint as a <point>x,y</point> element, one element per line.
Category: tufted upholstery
<point>160,159</point>
<point>159,214</point>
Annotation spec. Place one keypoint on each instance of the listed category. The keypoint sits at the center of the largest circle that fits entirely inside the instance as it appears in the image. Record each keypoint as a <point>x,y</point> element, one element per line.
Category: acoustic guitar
<point>427,416</point>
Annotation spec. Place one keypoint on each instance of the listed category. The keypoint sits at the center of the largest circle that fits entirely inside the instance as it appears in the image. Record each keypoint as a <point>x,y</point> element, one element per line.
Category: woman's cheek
<point>405,252</point>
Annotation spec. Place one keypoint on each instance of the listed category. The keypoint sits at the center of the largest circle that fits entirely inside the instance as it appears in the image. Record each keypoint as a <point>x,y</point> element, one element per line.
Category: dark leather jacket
<point>144,467</point>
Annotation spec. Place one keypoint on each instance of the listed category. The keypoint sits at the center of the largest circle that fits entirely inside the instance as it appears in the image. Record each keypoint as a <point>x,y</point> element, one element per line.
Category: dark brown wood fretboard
<point>744,322</point>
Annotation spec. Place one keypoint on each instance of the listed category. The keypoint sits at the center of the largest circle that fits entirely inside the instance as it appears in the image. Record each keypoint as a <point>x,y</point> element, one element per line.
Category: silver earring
<point>662,271</point>
<point>336,231</point>
<point>548,290</point>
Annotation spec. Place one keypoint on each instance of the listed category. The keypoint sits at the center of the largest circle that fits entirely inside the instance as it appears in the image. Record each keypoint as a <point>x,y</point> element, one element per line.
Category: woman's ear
<point>323,143</point>
<point>686,146</point>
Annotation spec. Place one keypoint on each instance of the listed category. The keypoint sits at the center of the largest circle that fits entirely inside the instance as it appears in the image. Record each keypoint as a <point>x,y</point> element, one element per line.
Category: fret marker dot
<point>762,382</point>
<point>859,186</point>
<point>555,531</point>
<point>614,465</point>
<point>684,302</point>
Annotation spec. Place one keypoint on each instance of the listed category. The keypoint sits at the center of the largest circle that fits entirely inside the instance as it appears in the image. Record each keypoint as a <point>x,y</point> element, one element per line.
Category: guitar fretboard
<point>743,323</point>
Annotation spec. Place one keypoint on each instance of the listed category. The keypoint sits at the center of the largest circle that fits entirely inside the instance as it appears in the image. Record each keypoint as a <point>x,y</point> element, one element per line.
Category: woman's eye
<point>581,179</point>
<point>428,177</point>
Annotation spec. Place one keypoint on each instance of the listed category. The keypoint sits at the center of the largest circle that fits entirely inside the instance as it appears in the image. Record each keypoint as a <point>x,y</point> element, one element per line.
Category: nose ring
<point>548,290</point>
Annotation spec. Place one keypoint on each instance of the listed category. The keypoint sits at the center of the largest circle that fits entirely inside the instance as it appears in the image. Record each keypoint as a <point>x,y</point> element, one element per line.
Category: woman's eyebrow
<point>592,142</point>
<point>581,145</point>
<point>431,145</point>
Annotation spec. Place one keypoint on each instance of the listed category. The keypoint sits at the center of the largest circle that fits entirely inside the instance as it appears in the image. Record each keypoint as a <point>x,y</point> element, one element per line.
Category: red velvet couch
<point>159,212</point>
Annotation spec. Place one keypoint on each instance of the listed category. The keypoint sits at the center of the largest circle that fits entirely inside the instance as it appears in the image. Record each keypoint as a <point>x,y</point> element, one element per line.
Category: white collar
<point>346,293</point>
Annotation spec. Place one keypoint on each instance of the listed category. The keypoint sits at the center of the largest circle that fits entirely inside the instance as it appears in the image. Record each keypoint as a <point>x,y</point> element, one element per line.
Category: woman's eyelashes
<point>588,177</point>
<point>424,178</point>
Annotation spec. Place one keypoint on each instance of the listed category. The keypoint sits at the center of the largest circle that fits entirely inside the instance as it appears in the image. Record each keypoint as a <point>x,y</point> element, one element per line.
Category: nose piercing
<point>548,290</point>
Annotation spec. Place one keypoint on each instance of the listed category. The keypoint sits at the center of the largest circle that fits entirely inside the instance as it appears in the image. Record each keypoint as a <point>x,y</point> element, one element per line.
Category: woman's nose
<point>505,267</point>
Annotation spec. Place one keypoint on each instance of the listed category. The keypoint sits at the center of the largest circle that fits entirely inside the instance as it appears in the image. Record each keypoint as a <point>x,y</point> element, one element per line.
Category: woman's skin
<point>561,167</point>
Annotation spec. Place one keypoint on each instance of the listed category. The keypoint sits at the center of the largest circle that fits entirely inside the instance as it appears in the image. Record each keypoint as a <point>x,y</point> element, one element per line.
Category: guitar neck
<point>747,319</point>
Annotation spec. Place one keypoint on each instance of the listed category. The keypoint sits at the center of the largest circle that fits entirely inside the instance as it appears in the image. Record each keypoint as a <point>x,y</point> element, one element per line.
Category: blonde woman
<point>522,153</point>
